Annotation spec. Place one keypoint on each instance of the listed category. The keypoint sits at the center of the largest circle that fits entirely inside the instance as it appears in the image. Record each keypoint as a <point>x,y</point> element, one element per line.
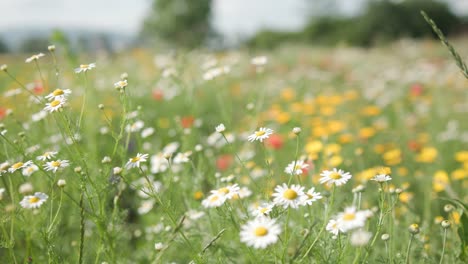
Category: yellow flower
<point>366,132</point>
<point>332,149</point>
<point>370,111</point>
<point>392,157</point>
<point>440,181</point>
<point>319,131</point>
<point>327,110</point>
<point>335,160</point>
<point>459,174</point>
<point>283,117</point>
<point>345,138</point>
<point>456,217</point>
<point>402,171</point>
<point>313,147</point>
<point>198,195</point>
<point>405,197</point>
<point>462,156</point>
<point>335,126</point>
<point>427,155</point>
<point>288,94</point>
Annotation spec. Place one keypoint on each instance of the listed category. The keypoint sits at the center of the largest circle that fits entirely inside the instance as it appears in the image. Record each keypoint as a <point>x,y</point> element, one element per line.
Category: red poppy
<point>187,121</point>
<point>416,89</point>
<point>38,87</point>
<point>275,141</point>
<point>224,162</point>
<point>158,95</point>
<point>3,112</point>
<point>413,145</point>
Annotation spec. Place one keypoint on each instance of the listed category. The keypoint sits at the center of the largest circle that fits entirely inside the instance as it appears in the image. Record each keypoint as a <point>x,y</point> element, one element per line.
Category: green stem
<point>443,246</point>
<point>332,198</point>
<point>408,249</point>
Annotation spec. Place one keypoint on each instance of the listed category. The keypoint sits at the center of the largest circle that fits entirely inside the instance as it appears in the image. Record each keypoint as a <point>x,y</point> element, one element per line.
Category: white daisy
<point>263,209</point>
<point>135,127</point>
<point>220,128</point>
<point>260,135</point>
<point>244,192</point>
<point>351,219</point>
<point>48,155</point>
<point>55,105</point>
<point>229,191</point>
<point>381,178</point>
<point>147,132</point>
<point>58,94</point>
<point>19,165</point>
<point>36,117</point>
<point>85,67</point>
<point>360,238</point>
<point>214,200</point>
<point>159,163</point>
<point>145,207</point>
<point>259,60</point>
<point>25,188</point>
<point>4,167</point>
<point>34,57</point>
<point>34,201</point>
<point>135,161</point>
<point>332,227</point>
<point>260,232</point>
<point>55,165</point>
<point>311,196</point>
<point>288,197</point>
<point>29,170</point>
<point>337,177</point>
<point>296,167</point>
<point>182,157</point>
<point>121,84</point>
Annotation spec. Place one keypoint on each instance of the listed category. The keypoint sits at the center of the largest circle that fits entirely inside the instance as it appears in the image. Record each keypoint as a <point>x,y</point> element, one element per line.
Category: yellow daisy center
<point>84,66</point>
<point>135,159</point>
<point>55,163</point>
<point>34,199</point>
<point>310,195</point>
<point>260,133</point>
<point>224,190</point>
<point>58,92</point>
<point>261,231</point>
<point>214,198</point>
<point>335,176</point>
<point>290,194</point>
<point>55,103</point>
<point>17,165</point>
<point>263,210</point>
<point>349,216</point>
<point>297,167</point>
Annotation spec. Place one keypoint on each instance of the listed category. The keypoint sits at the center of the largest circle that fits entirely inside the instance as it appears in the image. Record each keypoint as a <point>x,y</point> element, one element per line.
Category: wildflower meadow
<point>298,155</point>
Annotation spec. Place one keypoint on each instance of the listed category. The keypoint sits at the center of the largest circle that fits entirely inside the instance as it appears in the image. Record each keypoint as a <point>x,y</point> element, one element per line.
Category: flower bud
<point>414,229</point>
<point>445,224</point>
<point>297,130</point>
<point>61,183</point>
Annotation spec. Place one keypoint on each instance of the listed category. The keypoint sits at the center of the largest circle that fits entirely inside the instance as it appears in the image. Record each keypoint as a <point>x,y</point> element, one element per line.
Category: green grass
<point>401,106</point>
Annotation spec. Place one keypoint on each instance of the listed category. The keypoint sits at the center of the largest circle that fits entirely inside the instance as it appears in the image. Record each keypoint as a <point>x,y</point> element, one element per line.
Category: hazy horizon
<point>231,18</point>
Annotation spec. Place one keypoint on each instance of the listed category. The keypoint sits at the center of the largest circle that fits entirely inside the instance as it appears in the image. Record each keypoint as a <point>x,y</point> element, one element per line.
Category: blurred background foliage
<point>381,21</point>
<point>189,24</point>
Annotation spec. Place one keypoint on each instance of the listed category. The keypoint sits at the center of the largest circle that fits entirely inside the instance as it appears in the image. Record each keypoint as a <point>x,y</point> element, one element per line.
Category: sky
<point>230,17</point>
